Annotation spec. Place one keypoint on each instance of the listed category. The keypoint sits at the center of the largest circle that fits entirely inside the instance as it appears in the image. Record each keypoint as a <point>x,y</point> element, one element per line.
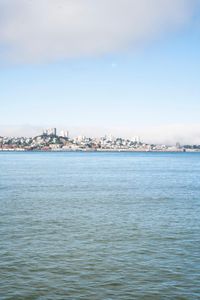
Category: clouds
<point>49,30</point>
<point>170,134</point>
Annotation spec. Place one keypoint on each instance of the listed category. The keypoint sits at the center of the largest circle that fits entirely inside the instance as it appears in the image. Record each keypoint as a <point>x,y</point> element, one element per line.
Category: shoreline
<point>103,151</point>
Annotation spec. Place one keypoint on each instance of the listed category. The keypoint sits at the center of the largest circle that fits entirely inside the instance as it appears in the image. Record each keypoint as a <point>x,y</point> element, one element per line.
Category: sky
<point>96,67</point>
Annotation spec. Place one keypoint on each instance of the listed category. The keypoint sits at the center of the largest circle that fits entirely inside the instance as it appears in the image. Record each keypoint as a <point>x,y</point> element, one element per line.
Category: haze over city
<point>101,67</point>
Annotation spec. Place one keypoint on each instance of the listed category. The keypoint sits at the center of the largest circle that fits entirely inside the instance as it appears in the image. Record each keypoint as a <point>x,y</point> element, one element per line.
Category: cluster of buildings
<point>49,140</point>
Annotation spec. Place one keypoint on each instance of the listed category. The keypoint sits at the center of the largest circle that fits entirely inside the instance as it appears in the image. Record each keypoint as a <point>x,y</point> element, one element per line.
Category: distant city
<point>50,140</point>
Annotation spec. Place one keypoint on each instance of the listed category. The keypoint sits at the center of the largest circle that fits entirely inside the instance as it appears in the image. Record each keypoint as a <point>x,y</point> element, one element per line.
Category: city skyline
<point>135,73</point>
<point>31,132</point>
<point>52,140</point>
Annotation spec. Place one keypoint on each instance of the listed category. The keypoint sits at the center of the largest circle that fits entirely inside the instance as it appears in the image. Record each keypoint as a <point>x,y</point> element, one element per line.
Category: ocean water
<point>99,226</point>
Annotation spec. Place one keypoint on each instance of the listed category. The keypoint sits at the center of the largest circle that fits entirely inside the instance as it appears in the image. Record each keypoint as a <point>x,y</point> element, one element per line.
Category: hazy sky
<point>125,67</point>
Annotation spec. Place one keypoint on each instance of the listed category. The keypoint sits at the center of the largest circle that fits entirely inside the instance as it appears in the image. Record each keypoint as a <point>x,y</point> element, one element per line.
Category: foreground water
<point>99,226</point>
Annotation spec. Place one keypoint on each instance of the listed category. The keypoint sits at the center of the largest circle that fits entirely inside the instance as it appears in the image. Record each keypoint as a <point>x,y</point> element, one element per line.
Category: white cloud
<point>48,30</point>
<point>170,134</point>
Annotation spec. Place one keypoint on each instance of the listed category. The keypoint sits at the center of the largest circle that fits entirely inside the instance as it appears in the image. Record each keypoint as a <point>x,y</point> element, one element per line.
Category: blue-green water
<point>99,226</point>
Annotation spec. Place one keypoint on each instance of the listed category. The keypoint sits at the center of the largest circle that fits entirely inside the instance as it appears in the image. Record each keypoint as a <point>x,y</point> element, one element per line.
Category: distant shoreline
<point>101,151</point>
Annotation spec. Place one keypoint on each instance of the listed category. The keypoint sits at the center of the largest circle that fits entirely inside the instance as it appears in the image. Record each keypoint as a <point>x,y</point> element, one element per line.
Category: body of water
<point>99,226</point>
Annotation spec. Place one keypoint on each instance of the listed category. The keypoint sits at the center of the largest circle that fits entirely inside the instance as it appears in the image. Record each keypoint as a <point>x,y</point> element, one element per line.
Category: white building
<point>64,133</point>
<point>50,132</point>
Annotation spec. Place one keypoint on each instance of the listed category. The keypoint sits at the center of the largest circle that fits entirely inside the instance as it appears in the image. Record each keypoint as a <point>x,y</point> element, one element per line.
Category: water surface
<point>98,226</point>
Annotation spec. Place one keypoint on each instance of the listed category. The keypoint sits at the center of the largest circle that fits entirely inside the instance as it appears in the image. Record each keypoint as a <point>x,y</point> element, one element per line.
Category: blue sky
<point>151,89</point>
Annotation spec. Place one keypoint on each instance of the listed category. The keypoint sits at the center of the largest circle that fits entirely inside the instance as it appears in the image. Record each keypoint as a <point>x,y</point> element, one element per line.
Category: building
<point>64,133</point>
<point>50,132</point>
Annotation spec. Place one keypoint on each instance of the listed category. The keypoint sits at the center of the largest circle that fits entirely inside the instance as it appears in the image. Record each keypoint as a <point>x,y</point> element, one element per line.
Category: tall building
<point>50,132</point>
<point>64,133</point>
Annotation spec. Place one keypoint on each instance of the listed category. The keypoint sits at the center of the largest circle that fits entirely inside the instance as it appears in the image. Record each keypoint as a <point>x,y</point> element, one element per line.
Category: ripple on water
<point>99,226</point>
